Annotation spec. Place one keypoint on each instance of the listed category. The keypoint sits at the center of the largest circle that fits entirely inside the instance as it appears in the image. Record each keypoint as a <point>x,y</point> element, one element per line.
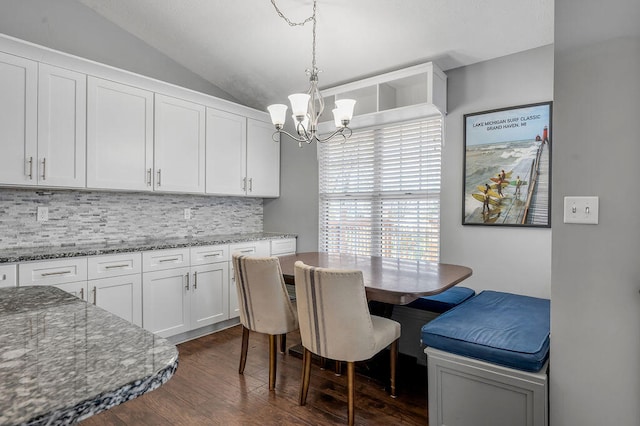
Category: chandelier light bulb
<point>278,114</point>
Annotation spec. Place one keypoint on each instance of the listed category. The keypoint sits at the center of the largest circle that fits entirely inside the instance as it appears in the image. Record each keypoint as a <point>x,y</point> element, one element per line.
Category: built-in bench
<point>422,310</point>
<point>487,361</point>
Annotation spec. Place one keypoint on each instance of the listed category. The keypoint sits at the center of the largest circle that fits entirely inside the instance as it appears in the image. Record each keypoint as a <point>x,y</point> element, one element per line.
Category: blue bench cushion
<point>502,328</point>
<point>444,301</point>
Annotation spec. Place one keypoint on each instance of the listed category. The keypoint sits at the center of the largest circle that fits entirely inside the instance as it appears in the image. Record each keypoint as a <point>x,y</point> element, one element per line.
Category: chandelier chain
<point>295,24</point>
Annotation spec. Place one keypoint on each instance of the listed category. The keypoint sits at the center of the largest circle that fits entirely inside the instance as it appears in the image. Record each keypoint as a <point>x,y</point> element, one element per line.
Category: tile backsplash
<point>82,217</point>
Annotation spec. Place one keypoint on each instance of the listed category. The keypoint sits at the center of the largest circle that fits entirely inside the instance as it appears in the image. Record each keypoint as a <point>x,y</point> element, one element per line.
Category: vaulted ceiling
<point>246,49</point>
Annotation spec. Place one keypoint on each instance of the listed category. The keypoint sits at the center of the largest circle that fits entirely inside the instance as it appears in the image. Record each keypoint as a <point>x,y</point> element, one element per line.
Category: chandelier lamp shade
<point>307,107</point>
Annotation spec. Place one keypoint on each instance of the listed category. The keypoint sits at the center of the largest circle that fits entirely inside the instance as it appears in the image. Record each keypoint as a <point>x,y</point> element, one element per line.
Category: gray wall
<point>595,272</point>
<point>296,211</point>
<point>515,260</point>
<point>73,28</point>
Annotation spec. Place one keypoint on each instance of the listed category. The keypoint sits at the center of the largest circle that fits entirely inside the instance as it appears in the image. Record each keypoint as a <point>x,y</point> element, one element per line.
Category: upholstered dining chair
<point>335,323</point>
<point>264,305</point>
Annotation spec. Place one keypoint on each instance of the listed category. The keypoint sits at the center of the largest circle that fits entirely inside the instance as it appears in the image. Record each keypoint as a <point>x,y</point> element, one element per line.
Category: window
<point>380,192</point>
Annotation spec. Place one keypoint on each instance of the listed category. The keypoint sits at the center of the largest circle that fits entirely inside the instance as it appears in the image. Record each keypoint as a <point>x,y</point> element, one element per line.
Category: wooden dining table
<point>386,280</point>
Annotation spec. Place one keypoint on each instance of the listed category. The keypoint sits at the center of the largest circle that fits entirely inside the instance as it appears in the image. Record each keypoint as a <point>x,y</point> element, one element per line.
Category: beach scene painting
<point>507,166</point>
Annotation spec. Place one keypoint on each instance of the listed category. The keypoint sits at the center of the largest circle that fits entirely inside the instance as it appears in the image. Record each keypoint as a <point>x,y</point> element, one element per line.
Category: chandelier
<point>308,107</point>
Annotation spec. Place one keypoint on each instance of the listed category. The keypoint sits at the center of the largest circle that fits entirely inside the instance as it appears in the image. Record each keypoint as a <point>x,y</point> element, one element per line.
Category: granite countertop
<point>63,360</point>
<point>25,254</point>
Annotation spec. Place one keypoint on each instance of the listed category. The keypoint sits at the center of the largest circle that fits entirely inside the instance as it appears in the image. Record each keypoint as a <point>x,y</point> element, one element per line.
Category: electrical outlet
<point>42,214</point>
<point>187,213</point>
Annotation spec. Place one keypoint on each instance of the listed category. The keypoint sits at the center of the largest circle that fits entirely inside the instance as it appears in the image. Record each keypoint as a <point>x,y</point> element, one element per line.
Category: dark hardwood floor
<point>207,390</point>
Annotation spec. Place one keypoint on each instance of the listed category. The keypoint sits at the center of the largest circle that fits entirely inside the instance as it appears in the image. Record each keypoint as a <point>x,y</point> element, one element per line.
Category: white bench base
<point>468,392</point>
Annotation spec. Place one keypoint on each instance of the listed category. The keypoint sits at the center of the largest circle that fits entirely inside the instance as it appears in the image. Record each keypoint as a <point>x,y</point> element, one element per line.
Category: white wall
<point>595,273</point>
<point>516,260</point>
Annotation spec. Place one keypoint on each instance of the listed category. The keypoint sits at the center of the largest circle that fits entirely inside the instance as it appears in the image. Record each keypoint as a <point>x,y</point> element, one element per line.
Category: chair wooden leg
<point>283,343</point>
<point>393,356</point>
<point>306,374</point>
<point>273,360</point>
<point>351,372</point>
<point>243,350</point>
<point>338,368</point>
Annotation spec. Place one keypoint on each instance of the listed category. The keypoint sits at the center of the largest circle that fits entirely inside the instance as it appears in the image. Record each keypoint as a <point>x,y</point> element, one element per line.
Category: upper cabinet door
<point>179,148</point>
<point>119,136</point>
<point>18,120</point>
<point>226,153</point>
<point>62,100</point>
<point>263,160</point>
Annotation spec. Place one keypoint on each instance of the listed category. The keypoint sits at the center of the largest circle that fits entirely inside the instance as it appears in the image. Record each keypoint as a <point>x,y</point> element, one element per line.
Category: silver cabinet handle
<point>124,265</point>
<point>244,184</point>
<point>173,259</point>
<point>149,177</point>
<point>95,295</point>
<point>44,169</point>
<point>195,280</point>
<point>187,277</point>
<point>3,277</point>
<point>47,274</point>
<point>212,255</point>
<point>30,163</point>
<point>159,177</point>
<point>82,294</point>
<point>250,184</point>
<point>247,251</point>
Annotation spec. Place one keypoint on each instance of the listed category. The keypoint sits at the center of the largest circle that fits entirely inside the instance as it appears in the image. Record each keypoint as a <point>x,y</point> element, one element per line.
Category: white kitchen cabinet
<point>226,153</point>
<point>242,158</point>
<point>8,276</point>
<point>119,136</point>
<point>283,246</point>
<point>179,145</point>
<point>18,120</point>
<point>166,301</point>
<point>53,272</point>
<point>263,160</point>
<point>115,284</point>
<point>62,99</point>
<point>250,248</point>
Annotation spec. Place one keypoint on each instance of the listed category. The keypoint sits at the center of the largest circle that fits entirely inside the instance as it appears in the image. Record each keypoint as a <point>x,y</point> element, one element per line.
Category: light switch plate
<point>581,210</point>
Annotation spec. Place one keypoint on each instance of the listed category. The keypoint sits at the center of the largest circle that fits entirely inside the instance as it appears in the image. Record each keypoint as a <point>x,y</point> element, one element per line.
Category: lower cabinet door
<point>166,301</point>
<point>234,306</point>
<point>121,296</point>
<point>209,294</point>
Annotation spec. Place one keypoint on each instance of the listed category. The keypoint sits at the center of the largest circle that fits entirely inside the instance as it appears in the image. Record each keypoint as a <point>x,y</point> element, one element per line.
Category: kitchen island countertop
<point>63,360</point>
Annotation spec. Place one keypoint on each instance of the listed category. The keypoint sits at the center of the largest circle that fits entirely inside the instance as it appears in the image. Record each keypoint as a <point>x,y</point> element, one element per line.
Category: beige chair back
<point>262,295</point>
<point>333,313</point>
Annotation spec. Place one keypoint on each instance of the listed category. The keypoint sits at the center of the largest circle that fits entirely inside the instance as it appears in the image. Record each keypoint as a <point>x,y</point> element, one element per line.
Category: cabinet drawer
<point>114,265</point>
<point>283,246</point>
<point>209,254</point>
<point>254,248</point>
<point>53,272</point>
<point>165,259</point>
<point>8,276</point>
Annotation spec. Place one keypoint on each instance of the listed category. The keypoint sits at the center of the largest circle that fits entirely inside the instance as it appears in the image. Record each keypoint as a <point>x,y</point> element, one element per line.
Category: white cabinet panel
<point>78,289</point>
<point>263,160</point>
<point>203,255</point>
<point>179,146</point>
<point>62,99</point>
<point>119,136</point>
<point>120,295</point>
<point>8,276</point>
<point>226,153</point>
<point>165,259</point>
<point>53,271</point>
<point>18,120</point>
<point>113,265</point>
<point>209,297</point>
<point>283,247</point>
<point>166,301</point>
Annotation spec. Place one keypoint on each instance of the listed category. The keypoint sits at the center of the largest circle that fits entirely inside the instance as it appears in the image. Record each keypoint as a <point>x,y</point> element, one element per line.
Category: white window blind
<point>380,192</point>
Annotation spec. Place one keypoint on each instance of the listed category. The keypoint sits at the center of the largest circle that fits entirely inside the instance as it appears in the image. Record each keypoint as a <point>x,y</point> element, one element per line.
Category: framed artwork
<point>507,167</point>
